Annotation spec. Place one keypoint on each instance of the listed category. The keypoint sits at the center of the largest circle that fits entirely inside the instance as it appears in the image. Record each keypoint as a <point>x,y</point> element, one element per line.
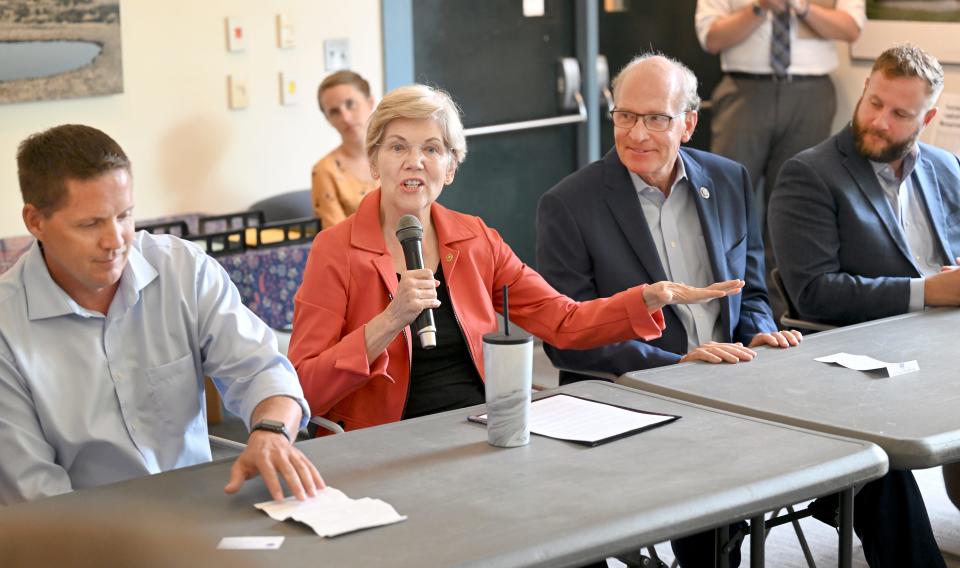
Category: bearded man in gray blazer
<point>867,225</point>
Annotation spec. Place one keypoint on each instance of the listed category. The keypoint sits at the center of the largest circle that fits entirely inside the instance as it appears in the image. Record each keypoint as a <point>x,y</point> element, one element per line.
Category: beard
<point>892,151</point>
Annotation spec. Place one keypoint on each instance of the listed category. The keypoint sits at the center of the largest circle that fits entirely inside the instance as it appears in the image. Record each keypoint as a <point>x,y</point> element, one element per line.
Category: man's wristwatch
<point>758,10</point>
<point>271,426</point>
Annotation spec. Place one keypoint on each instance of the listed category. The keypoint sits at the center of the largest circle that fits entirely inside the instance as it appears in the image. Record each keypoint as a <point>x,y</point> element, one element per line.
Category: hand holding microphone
<point>417,287</point>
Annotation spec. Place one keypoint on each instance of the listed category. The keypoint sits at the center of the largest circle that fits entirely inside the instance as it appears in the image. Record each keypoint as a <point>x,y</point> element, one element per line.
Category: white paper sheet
<point>332,513</point>
<point>865,363</point>
<point>250,543</point>
<point>570,418</point>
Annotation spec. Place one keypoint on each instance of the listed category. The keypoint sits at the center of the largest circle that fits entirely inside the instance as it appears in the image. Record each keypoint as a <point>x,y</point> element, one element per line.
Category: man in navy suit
<point>598,234</point>
<point>867,225</point>
<point>651,211</point>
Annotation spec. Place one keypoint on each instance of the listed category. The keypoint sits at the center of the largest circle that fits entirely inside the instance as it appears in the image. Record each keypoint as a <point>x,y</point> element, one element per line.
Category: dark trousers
<point>697,550</point>
<point>762,124</point>
<point>889,517</point>
<point>891,521</point>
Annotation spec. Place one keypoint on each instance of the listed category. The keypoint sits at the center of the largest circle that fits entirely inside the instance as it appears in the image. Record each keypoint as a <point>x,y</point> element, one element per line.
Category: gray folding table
<point>913,417</point>
<point>551,503</point>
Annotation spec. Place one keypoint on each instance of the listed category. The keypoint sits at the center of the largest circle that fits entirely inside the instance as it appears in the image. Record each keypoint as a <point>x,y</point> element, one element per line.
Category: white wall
<point>189,152</point>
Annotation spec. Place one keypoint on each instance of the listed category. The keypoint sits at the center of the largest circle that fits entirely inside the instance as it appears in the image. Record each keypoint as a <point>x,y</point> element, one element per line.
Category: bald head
<point>667,73</point>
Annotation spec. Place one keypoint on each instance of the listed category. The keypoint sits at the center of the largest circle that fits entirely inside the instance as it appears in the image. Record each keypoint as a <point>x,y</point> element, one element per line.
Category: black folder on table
<point>588,422</point>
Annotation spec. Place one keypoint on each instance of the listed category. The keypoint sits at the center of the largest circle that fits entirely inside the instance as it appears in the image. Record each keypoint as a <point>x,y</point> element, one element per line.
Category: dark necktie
<point>780,43</point>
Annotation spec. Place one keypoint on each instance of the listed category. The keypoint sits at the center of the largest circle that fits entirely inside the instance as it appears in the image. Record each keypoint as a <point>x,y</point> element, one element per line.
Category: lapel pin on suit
<point>704,193</point>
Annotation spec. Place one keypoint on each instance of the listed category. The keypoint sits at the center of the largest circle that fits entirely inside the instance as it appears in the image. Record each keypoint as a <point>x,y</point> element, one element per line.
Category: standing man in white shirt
<point>776,97</point>
<point>106,335</point>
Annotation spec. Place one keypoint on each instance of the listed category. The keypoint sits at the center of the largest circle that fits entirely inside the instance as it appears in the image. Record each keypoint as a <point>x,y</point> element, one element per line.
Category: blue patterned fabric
<point>267,279</point>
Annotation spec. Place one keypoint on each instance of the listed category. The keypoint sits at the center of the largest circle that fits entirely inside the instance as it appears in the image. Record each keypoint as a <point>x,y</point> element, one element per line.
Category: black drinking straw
<point>506,311</point>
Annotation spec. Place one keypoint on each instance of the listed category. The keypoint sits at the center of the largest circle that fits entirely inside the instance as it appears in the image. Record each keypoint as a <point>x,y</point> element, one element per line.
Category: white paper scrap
<point>865,363</point>
<point>250,543</point>
<point>332,513</point>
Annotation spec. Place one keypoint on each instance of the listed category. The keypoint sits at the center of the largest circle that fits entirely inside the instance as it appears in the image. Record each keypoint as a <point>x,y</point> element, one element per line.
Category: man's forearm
<point>831,23</point>
<point>282,408</point>
<point>732,29</point>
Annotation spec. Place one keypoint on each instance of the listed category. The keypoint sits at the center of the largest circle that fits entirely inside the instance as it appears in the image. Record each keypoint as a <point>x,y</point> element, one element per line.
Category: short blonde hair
<point>418,101</point>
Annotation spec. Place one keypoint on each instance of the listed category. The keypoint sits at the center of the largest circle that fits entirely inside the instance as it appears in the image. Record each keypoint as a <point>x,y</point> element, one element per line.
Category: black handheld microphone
<point>410,235</point>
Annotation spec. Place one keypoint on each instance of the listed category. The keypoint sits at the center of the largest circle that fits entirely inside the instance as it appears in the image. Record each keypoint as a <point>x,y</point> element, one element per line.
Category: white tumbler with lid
<point>508,369</point>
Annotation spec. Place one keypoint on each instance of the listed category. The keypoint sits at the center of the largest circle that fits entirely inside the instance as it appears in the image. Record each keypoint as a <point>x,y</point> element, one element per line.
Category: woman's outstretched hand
<point>664,293</point>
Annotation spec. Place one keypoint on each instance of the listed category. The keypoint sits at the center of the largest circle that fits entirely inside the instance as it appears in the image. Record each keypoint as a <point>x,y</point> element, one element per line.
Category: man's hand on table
<point>272,456</point>
<point>782,339</point>
<point>714,352</point>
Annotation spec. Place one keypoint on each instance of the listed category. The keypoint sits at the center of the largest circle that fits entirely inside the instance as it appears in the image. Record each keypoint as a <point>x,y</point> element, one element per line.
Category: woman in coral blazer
<point>351,344</point>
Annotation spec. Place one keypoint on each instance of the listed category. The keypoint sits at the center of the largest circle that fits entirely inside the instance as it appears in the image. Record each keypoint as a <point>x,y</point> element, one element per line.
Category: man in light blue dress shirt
<point>106,336</point>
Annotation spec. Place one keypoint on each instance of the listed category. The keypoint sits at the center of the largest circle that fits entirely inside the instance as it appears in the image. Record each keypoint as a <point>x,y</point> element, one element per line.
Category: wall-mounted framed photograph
<point>931,24</point>
<point>57,50</point>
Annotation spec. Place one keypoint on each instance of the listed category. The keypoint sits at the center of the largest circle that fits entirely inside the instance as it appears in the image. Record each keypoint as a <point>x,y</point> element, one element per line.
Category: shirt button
<point>673,244</point>
<point>449,256</point>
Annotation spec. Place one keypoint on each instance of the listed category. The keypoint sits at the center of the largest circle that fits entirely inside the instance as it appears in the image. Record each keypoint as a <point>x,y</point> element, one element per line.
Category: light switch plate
<point>289,90</point>
<point>237,97</point>
<point>236,34</point>
<point>533,8</point>
<point>286,37</point>
<point>336,54</point>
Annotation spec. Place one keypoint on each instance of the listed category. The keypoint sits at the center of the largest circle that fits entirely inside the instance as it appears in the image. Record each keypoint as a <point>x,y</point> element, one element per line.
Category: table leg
<point>721,538</point>
<point>757,540</point>
<point>846,528</point>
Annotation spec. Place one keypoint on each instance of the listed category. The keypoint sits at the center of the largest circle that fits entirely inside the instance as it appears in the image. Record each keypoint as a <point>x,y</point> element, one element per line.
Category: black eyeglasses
<point>654,122</point>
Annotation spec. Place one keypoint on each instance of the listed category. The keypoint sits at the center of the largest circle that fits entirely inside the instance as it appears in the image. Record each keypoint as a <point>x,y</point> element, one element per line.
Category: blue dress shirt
<point>908,208</point>
<point>675,226</point>
<point>88,399</point>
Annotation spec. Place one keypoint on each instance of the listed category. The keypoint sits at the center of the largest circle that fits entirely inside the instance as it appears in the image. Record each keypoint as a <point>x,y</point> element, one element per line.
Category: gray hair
<point>418,101</point>
<point>908,60</point>
<point>688,81</point>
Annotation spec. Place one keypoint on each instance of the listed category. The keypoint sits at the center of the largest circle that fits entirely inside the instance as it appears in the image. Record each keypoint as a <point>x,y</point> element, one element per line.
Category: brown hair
<point>343,77</point>
<point>908,60</point>
<point>46,160</point>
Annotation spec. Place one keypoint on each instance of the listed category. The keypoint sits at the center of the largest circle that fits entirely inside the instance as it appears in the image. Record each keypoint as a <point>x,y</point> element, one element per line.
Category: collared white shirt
<point>675,226</point>
<point>88,399</point>
<point>911,213</point>
<point>809,54</point>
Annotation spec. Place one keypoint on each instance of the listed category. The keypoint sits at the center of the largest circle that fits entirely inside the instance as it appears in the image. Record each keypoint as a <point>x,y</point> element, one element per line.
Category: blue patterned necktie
<point>780,43</point>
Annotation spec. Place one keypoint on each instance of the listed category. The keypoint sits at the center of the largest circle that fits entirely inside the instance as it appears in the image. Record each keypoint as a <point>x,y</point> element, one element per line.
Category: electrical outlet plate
<point>533,8</point>
<point>336,54</point>
<point>237,97</point>
<point>289,92</point>
<point>285,32</point>
<point>236,34</point>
